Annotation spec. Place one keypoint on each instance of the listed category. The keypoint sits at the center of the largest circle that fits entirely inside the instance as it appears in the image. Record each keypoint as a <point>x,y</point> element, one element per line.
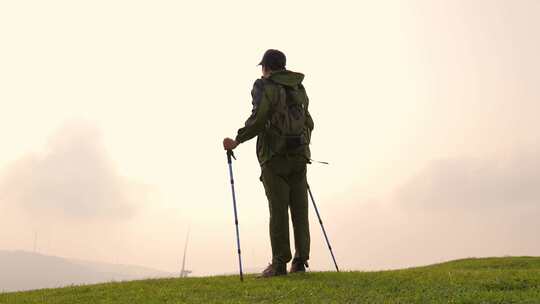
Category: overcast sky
<point>112,115</point>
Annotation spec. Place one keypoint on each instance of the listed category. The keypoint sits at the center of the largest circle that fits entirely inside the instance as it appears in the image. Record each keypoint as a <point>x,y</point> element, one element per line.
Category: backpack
<point>287,128</point>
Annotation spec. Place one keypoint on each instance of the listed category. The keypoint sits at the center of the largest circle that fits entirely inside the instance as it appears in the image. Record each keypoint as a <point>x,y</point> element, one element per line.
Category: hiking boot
<point>298,266</point>
<point>273,271</point>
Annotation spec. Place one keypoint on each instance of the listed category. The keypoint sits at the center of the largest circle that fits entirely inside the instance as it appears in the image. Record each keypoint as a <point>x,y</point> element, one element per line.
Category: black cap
<point>274,59</point>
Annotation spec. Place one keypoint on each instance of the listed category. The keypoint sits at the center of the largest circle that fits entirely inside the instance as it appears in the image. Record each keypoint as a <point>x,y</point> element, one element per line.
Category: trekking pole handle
<point>229,154</point>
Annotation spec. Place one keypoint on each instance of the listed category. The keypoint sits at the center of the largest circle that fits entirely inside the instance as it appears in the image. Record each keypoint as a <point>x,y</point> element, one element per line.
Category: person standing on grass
<point>281,121</point>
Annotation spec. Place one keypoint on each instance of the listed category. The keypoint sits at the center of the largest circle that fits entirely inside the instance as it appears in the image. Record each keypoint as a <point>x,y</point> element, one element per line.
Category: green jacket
<point>264,94</point>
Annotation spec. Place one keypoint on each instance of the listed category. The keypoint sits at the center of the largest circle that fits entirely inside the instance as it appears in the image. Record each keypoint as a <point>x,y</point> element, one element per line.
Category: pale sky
<point>112,115</point>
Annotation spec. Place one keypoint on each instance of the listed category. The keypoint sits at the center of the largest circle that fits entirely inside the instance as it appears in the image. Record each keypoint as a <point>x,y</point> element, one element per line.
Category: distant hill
<point>486,280</point>
<point>20,270</point>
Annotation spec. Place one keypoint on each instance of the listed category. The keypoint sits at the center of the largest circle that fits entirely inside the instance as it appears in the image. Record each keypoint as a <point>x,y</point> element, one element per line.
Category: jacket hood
<point>287,78</point>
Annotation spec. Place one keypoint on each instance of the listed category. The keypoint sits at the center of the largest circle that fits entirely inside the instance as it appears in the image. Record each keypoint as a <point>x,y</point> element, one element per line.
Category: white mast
<point>184,273</point>
<point>35,241</point>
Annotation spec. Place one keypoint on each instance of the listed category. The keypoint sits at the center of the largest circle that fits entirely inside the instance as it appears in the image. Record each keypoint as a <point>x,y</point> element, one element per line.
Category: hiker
<point>283,125</point>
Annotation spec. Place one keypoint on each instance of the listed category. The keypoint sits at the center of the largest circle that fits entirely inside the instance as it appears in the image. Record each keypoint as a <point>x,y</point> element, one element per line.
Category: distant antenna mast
<point>35,241</point>
<point>184,273</point>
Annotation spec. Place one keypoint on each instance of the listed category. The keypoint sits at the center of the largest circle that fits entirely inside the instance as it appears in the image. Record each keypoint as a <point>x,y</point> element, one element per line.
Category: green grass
<point>489,280</point>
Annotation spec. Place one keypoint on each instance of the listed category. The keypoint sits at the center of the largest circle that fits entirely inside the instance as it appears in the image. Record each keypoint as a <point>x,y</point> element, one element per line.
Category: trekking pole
<point>322,226</point>
<point>229,155</point>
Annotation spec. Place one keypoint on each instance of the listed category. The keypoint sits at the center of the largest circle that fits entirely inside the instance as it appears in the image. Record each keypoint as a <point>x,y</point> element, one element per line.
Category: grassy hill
<point>488,280</point>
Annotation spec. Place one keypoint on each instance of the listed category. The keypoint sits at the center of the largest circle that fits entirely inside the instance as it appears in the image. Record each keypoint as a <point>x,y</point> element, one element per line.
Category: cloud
<point>453,208</point>
<point>73,178</point>
<point>506,182</point>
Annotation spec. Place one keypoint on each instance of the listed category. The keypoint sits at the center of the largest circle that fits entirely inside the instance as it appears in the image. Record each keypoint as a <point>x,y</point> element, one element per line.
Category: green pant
<point>285,184</point>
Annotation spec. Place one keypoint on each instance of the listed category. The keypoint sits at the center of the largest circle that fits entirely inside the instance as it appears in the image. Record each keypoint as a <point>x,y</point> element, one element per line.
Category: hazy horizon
<point>113,112</point>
